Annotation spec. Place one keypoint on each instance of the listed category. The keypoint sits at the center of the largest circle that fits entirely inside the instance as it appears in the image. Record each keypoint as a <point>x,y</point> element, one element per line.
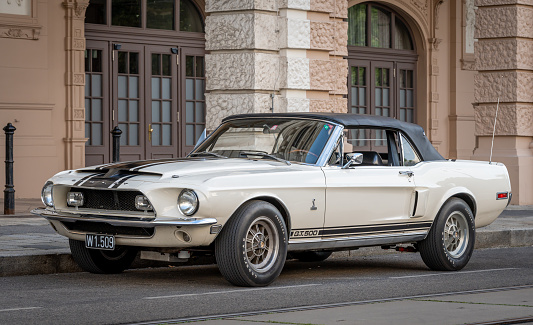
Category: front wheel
<point>252,247</point>
<point>101,261</point>
<point>450,242</point>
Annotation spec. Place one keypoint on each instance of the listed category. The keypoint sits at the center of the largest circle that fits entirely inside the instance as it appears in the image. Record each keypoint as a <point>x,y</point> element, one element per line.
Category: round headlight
<point>188,202</point>
<point>46,194</point>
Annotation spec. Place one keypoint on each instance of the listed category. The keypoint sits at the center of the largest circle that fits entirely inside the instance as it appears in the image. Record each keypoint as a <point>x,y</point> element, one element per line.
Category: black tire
<point>311,256</point>
<point>101,261</point>
<point>450,242</point>
<point>252,247</point>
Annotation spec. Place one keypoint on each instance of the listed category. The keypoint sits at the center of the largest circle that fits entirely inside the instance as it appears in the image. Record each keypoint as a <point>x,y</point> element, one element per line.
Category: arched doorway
<point>382,63</point>
<point>144,70</point>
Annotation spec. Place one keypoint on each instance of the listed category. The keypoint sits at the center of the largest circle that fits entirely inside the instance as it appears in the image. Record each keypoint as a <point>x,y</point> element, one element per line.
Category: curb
<point>63,263</point>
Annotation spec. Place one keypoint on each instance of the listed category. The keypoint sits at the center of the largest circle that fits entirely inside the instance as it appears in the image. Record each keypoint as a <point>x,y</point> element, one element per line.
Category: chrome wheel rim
<point>262,244</point>
<point>456,234</point>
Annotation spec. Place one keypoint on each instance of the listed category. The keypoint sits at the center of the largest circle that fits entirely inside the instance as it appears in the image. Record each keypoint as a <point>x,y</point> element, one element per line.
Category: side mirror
<point>353,159</point>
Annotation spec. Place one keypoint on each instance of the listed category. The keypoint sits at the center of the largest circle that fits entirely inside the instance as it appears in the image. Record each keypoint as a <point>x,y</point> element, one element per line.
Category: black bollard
<point>9,192</point>
<point>116,143</point>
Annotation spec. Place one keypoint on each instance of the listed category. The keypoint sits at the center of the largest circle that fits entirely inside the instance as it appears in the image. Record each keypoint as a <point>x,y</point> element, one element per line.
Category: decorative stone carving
<point>79,9</point>
<point>468,64</point>
<point>435,42</point>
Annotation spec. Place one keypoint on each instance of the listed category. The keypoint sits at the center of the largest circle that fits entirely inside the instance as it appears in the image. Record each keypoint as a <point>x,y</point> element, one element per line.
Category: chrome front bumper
<point>121,221</point>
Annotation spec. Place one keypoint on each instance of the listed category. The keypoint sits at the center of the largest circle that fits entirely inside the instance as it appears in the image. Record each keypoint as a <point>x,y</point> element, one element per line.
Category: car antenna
<point>494,128</point>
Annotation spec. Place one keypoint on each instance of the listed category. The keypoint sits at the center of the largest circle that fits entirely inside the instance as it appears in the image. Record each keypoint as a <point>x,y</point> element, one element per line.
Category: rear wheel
<point>101,261</point>
<point>252,247</point>
<point>311,256</point>
<point>450,242</point>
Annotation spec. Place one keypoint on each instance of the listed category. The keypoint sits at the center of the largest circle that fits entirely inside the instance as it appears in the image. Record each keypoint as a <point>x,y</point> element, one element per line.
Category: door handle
<point>407,173</point>
<point>150,130</point>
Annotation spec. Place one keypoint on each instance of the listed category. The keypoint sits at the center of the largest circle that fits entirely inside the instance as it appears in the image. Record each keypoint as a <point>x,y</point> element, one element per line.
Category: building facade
<point>162,71</point>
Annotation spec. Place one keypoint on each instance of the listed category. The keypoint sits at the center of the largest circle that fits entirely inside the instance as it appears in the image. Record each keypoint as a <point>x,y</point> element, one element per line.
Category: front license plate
<point>106,242</point>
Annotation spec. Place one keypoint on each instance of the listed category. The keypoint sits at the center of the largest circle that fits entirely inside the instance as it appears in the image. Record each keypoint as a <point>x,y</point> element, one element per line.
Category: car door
<point>375,198</point>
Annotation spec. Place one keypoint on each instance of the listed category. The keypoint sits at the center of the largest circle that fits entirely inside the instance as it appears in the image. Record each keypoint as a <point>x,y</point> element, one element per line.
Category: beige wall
<point>32,93</point>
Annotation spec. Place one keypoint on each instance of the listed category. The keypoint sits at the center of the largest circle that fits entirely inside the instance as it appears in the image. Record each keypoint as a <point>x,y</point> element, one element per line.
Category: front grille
<point>108,200</point>
<point>105,228</point>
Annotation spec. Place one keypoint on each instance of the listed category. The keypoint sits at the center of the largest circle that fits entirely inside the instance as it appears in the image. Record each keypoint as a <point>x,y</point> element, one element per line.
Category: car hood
<point>175,168</point>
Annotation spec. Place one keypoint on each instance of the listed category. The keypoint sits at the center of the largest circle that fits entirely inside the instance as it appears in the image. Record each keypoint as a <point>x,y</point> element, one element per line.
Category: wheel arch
<point>469,199</point>
<point>282,208</point>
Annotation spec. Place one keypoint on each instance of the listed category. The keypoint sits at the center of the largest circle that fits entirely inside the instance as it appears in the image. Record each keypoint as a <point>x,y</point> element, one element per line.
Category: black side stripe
<point>86,178</point>
<point>365,230</point>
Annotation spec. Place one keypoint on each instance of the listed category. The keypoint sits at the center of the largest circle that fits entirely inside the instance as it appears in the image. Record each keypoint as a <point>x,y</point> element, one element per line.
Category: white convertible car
<point>263,187</point>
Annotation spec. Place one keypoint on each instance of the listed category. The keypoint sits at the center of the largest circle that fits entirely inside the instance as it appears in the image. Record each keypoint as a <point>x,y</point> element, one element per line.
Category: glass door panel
<point>406,92</point>
<point>194,113</point>
<point>96,103</point>
<point>382,80</point>
<point>162,99</point>
<point>128,100</point>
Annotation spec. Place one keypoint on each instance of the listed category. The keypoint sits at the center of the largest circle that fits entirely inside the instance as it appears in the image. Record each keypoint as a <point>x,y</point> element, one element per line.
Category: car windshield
<point>299,141</point>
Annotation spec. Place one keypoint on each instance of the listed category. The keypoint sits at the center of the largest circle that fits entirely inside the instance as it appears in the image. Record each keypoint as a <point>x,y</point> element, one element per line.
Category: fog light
<point>142,203</point>
<point>75,199</point>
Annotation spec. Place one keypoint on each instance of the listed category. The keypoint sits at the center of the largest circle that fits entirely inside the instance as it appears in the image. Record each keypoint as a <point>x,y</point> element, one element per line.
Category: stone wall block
<point>292,104</point>
<point>265,32</point>
<point>496,54</point>
<point>241,31</point>
<point>341,38</point>
<point>493,22</point>
<point>222,105</point>
<point>482,3</point>
<point>341,74</point>
<point>267,71</point>
<point>496,22</point>
<point>295,4</point>
<point>295,74</point>
<point>322,35</point>
<point>237,71</point>
<point>321,74</point>
<point>513,120</point>
<point>295,33</point>
<point>341,11</point>
<point>229,32</point>
<point>233,5</point>
<point>323,5</point>
<point>332,105</point>
<point>489,86</point>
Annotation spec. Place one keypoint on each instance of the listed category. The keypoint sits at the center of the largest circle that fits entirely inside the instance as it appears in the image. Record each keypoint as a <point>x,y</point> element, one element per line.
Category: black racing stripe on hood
<point>84,179</point>
<point>122,180</point>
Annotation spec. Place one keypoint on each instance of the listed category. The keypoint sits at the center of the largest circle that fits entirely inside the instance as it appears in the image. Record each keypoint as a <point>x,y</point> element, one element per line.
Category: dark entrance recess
<point>382,63</point>
<point>144,66</point>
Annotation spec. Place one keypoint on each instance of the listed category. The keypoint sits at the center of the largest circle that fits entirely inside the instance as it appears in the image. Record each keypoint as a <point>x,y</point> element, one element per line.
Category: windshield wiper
<point>263,154</point>
<point>206,153</point>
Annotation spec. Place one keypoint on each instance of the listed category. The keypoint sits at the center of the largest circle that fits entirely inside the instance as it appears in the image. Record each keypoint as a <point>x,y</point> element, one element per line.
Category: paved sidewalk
<point>29,245</point>
<point>471,308</point>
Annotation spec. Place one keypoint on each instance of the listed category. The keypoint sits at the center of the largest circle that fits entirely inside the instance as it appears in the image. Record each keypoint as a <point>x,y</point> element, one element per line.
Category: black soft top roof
<point>414,132</point>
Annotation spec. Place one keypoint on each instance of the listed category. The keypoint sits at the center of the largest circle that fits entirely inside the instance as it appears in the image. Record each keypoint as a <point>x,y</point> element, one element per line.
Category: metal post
<point>116,143</point>
<point>9,192</point>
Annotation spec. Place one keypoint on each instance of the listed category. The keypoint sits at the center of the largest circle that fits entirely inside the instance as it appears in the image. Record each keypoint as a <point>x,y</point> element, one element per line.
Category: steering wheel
<point>304,151</point>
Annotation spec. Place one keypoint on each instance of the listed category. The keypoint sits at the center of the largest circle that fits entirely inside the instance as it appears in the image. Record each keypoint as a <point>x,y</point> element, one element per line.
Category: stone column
<point>504,59</point>
<point>75,82</point>
<point>275,56</point>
